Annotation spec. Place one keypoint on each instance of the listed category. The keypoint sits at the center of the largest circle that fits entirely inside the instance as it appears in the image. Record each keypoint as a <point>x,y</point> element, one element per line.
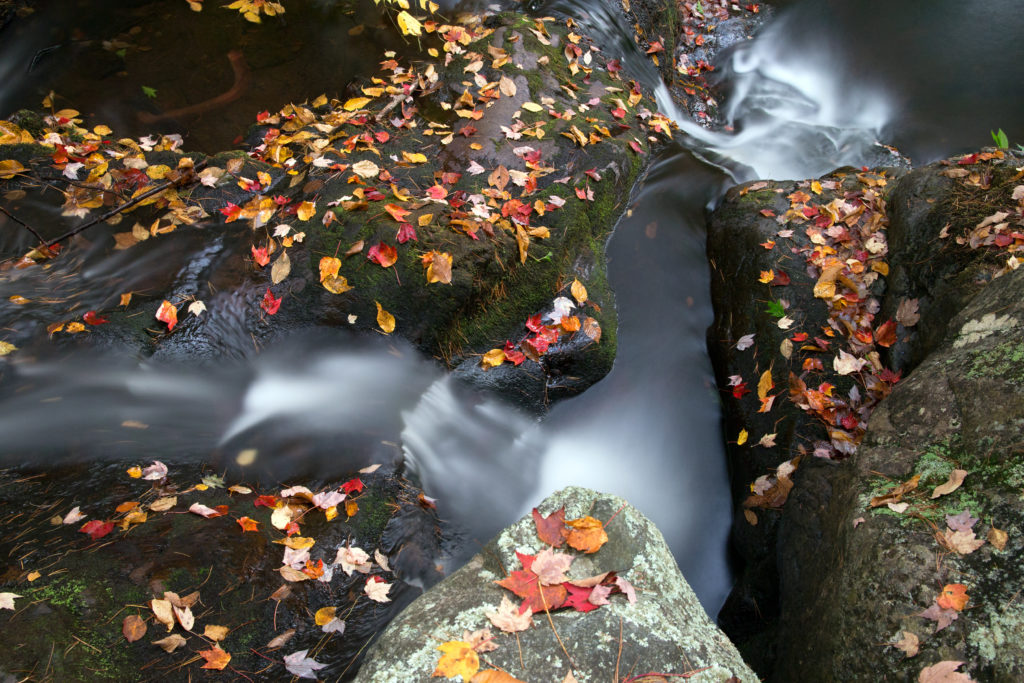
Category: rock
<point>962,408</point>
<point>528,167</point>
<point>666,630</point>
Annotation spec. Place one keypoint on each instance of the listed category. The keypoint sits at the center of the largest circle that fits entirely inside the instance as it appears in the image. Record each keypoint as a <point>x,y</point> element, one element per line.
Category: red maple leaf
<point>352,486</point>
<point>270,303</point>
<point>551,529</point>
<point>265,501</point>
<point>405,233</point>
<point>231,211</point>
<point>579,598</point>
<point>885,335</point>
<point>97,529</point>
<point>260,256</point>
<point>513,355</point>
<point>534,324</point>
<point>94,318</point>
<point>526,585</point>
<point>382,254</point>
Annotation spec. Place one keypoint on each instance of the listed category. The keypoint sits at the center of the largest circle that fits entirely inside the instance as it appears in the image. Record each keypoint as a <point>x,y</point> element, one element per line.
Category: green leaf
<point>122,52</point>
<point>1001,139</point>
<point>214,481</point>
<point>774,308</point>
<point>149,92</point>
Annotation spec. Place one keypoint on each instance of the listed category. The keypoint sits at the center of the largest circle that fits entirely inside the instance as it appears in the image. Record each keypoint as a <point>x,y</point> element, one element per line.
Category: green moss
<point>1005,361</point>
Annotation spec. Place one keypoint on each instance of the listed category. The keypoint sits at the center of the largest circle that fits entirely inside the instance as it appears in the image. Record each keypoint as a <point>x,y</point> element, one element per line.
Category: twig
<point>613,516</point>
<point>23,224</point>
<point>123,207</point>
<point>618,657</point>
<point>394,103</point>
<point>547,611</point>
<point>688,674</point>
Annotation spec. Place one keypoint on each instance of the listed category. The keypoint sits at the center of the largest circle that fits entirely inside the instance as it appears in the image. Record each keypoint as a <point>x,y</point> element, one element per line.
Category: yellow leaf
<point>215,633</point>
<point>336,285</point>
<point>459,658</point>
<point>815,187</point>
<point>351,507</point>
<point>6,348</point>
<point>365,169</point>
<point>408,24</point>
<point>356,103</point>
<point>414,157</point>
<point>425,219</point>
<point>282,266</point>
<point>10,167</point>
<point>73,328</point>
<point>766,276</point>
<point>742,438</point>
<point>825,287</point>
<point>306,210</point>
<point>331,512</point>
<point>493,358</point>
<point>134,472</point>
<point>532,106</point>
<point>439,268</point>
<point>158,171</point>
<point>579,292</point>
<point>385,320</point>
<point>296,542</point>
<point>765,384</point>
<point>324,615</point>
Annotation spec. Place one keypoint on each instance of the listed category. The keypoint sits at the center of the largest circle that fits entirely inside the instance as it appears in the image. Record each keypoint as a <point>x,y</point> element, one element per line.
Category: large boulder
<point>877,568</point>
<point>666,631</point>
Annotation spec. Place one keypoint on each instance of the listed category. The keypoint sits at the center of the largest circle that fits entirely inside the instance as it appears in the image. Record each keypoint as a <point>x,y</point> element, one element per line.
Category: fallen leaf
<point>97,529</point>
<point>133,628</point>
<point>170,643</point>
<point>167,313</point>
<point>280,639</point>
<point>281,268</point>
<point>907,313</point>
<point>74,516</point>
<point>439,267</point>
<point>908,643</point>
<point>458,658</point>
<point>7,600</point>
<point>587,534</point>
<point>896,494</point>
<point>385,320</point>
<point>943,672</point>
<point>215,633</point>
<point>377,590</point>
<point>941,616</point>
<point>365,169</point>
<point>579,292</point>
<point>953,596</point>
<point>184,617</point>
<point>550,529</point>
<point>298,664</point>
<point>164,612</point>
<point>956,478</point>
<point>494,676</point>
<point>997,537</point>
<point>508,617</point>
<point>550,567</point>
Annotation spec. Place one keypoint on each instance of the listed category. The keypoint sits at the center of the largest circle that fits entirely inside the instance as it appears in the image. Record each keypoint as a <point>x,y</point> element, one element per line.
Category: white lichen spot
<point>974,331</point>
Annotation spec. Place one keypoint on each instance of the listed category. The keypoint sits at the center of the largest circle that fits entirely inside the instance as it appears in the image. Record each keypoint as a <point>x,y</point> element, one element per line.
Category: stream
<point>820,85</point>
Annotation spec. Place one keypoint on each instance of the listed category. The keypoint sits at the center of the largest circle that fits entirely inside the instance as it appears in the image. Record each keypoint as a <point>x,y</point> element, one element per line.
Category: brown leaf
<point>498,178</point>
<point>551,529</point>
<point>896,494</point>
<point>908,643</point>
<point>956,478</point>
<point>215,633</point>
<point>997,537</point>
<point>592,329</point>
<point>941,617</point>
<point>163,611</point>
<point>907,313</point>
<point>133,628</point>
<point>170,643</point>
<point>963,542</point>
<point>508,618</point>
<point>281,639</point>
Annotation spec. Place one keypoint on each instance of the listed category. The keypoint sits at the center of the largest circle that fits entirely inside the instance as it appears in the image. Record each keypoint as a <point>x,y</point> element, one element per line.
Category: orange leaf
<point>248,524</point>
<point>126,506</point>
<point>168,313</point>
<point>397,212</point>
<point>953,596</point>
<point>351,507</point>
<point>587,534</point>
<point>215,657</point>
<point>133,628</point>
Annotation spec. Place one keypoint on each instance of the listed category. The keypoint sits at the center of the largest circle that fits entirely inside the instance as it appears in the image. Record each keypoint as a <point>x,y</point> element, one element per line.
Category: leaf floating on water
<point>298,664</point>
<point>385,320</point>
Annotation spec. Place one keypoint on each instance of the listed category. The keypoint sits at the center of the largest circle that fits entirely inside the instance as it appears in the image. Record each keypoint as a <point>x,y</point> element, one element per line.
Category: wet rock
<point>865,583</point>
<point>666,630</point>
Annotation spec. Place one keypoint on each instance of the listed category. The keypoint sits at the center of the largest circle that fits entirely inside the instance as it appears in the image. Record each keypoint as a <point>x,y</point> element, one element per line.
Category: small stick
<point>613,516</point>
<point>547,611</point>
<point>127,205</point>
<point>618,656</point>
<point>23,224</point>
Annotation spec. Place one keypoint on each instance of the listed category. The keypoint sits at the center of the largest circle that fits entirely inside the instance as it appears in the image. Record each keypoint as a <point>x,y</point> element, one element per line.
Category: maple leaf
<point>167,313</point>
<point>943,617</point>
<point>745,342</point>
<point>352,486</point>
<point>93,318</point>
<point>627,589</point>
<point>382,254</point>
<point>587,534</point>
<point>458,658</point>
<point>508,617</point>
<point>962,542</point>
<point>260,256</point>
<point>97,529</point>
<point>953,596</point>
<point>376,589</point>
<point>943,672</point>
<point>215,657</point>
<point>248,524</point>
<point>270,304</point>
<point>579,598</point>
<point>353,559</point>
<point>526,585</point>
<point>405,233</point>
<point>551,529</point>
<point>328,499</point>
<point>885,335</point>
<point>550,567</point>
<point>298,664</point>
<point>599,595</point>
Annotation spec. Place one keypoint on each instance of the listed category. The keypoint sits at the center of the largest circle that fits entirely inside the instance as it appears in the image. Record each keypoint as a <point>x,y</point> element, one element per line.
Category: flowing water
<point>816,90</point>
